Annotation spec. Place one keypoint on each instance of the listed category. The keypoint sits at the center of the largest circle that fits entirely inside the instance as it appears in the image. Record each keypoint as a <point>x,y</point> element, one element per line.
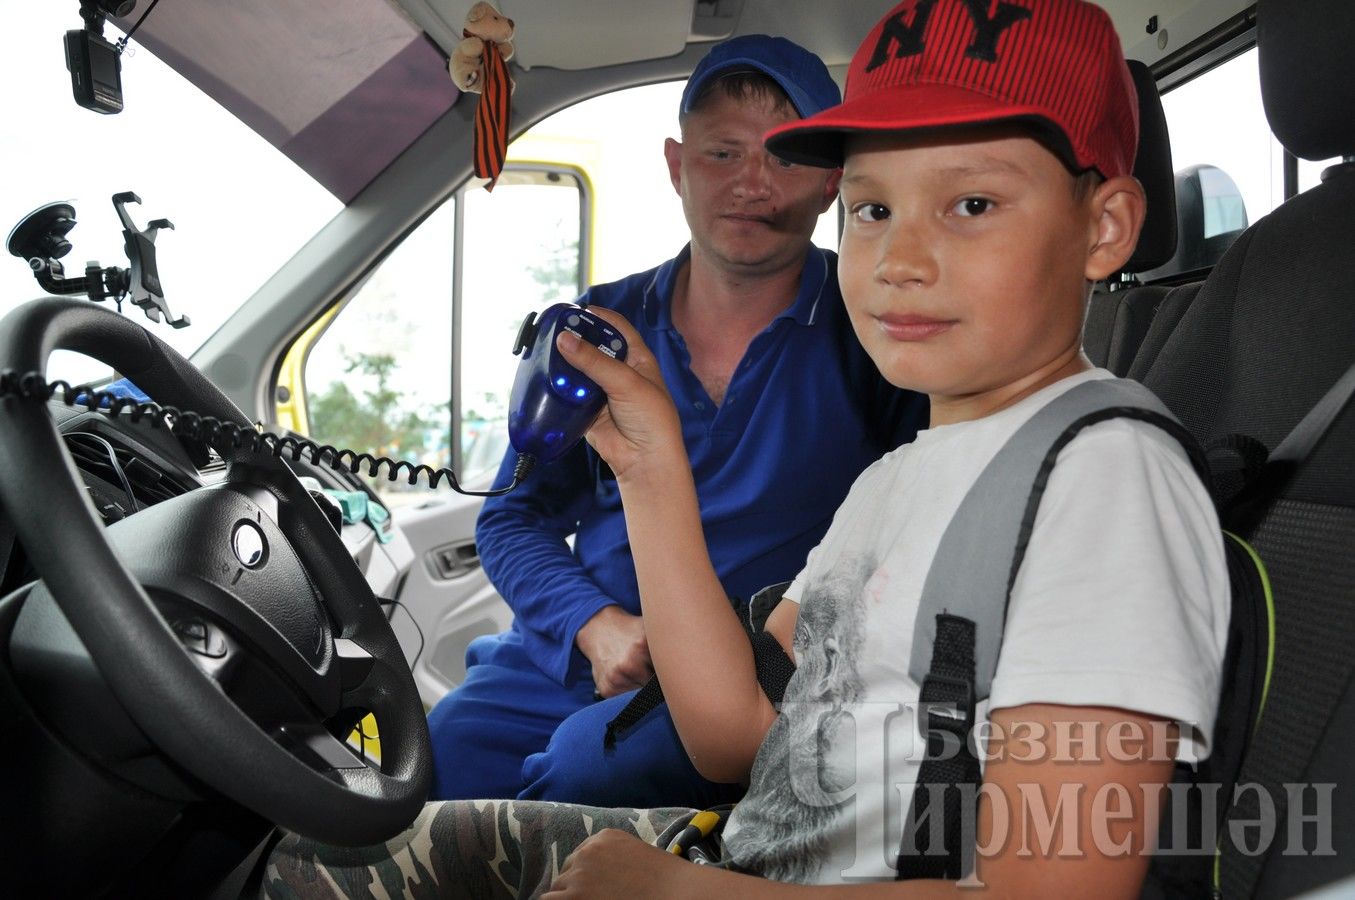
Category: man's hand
<point>614,642</point>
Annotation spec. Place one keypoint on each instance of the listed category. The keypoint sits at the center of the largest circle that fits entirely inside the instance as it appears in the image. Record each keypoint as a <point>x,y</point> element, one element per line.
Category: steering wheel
<point>263,639</point>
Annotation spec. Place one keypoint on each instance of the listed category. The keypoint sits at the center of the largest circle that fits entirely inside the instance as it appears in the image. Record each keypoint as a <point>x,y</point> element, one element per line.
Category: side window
<point>1310,172</point>
<point>382,377</point>
<point>1229,167</point>
<point>378,379</point>
<point>523,249</point>
<point>1217,120</point>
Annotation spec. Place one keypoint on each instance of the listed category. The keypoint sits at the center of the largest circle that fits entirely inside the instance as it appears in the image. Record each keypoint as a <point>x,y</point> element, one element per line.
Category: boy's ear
<point>830,190</point>
<point>672,154</point>
<point>1117,206</point>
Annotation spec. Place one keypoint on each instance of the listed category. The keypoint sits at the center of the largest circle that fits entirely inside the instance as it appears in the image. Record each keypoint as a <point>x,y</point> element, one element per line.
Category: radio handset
<point>553,403</point>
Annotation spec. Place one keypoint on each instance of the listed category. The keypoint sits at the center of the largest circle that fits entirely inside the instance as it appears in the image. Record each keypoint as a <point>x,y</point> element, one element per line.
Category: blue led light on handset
<point>553,403</point>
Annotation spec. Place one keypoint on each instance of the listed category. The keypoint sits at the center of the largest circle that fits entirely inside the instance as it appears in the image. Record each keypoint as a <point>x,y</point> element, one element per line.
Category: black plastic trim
<point>1230,38</point>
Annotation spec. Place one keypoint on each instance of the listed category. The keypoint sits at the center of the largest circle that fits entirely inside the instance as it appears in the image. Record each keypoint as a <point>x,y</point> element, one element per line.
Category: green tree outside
<point>374,421</point>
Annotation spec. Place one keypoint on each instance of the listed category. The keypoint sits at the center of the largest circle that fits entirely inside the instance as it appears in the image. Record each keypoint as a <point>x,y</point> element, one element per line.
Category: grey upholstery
<point>1117,322</point>
<point>1167,314</point>
<point>1271,329</point>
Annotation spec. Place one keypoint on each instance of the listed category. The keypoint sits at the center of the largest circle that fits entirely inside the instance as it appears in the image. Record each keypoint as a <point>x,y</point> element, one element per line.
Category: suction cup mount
<point>40,238</point>
<point>42,233</point>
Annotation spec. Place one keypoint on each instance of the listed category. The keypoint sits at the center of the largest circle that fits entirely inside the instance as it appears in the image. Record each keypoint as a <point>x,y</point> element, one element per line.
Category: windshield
<point>240,208</point>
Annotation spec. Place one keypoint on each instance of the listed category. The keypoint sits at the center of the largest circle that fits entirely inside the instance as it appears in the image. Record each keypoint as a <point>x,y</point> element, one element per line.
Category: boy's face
<point>964,262</point>
<point>747,210</point>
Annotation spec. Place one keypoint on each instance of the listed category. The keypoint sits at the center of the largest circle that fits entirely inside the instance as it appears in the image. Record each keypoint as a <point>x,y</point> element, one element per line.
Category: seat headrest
<point>1307,80</point>
<point>1153,169</point>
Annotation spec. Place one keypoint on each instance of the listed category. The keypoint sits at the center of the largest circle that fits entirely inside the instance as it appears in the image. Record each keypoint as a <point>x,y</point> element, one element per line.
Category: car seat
<point>1119,314</point>
<point>1270,331</point>
<point>1170,309</point>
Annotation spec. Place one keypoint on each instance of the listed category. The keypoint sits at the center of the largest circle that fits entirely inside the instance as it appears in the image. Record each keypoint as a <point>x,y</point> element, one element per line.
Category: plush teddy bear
<point>483,23</point>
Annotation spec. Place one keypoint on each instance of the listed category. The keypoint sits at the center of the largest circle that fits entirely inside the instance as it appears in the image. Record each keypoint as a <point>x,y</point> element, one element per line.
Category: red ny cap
<point>939,63</point>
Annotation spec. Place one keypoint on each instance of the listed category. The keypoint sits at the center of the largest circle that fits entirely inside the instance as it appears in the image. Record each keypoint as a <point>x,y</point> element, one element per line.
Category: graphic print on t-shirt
<point>797,791</point>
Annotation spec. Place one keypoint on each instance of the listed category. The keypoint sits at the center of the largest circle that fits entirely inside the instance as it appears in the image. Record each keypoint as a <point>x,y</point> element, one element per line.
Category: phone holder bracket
<point>40,238</point>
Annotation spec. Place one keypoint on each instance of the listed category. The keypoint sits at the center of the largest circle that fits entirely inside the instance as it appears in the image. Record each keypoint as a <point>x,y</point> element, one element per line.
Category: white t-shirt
<point>1121,601</point>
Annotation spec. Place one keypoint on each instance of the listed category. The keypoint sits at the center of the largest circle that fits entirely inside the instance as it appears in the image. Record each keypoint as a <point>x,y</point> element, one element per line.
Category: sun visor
<point>580,34</point>
<point>341,87</point>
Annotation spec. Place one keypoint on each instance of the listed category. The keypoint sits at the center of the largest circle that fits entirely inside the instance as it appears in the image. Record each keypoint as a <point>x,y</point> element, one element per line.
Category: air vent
<point>95,455</point>
<point>214,470</point>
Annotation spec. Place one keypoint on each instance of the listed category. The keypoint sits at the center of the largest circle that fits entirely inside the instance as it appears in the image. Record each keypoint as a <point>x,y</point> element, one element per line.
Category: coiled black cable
<point>227,437</point>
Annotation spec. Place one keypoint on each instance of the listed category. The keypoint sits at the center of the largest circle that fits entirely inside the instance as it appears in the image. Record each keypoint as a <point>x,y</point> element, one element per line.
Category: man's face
<point>963,263</point>
<point>749,212</point>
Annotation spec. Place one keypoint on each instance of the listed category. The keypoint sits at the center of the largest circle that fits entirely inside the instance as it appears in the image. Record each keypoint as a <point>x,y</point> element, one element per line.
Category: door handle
<point>453,560</point>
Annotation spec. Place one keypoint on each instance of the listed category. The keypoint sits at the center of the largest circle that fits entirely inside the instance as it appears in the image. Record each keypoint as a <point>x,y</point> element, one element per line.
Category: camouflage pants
<point>467,848</point>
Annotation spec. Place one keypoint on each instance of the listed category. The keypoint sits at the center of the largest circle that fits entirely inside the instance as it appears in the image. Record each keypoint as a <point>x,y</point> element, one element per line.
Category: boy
<point>986,153</point>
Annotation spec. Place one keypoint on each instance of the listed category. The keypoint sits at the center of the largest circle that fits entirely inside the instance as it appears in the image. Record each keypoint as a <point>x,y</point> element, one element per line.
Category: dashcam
<point>96,71</point>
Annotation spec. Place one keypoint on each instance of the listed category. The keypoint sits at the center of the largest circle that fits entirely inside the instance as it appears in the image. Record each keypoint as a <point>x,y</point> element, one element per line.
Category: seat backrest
<point>1117,323</point>
<point>1272,328</point>
<point>1118,317</point>
<point>1170,309</point>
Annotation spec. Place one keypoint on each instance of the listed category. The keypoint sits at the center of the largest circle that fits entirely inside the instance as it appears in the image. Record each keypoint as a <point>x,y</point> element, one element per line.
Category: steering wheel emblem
<point>249,545</point>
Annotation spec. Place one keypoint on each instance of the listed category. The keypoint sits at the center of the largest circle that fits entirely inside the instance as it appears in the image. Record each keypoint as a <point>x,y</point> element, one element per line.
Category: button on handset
<point>553,403</point>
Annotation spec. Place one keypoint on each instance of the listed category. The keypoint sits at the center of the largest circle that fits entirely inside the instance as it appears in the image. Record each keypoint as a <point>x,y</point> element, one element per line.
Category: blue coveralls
<point>805,412</point>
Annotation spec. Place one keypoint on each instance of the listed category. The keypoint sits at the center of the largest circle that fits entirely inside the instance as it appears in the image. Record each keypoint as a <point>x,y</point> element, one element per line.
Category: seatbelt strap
<point>774,667</point>
<point>645,700</point>
<point>1310,430</point>
<point>1289,455</point>
<point>963,608</point>
<point>946,705</point>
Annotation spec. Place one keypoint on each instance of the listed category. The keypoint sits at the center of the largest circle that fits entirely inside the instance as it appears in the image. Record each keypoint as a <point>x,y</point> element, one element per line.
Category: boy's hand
<point>612,863</point>
<point>638,430</point>
<point>614,642</point>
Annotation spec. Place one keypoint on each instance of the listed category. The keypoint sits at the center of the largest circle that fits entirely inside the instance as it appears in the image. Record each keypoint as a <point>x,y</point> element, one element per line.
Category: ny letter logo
<point>906,39</point>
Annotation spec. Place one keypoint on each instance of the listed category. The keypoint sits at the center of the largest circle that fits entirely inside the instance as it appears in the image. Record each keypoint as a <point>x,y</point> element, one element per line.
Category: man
<point>780,410</point>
